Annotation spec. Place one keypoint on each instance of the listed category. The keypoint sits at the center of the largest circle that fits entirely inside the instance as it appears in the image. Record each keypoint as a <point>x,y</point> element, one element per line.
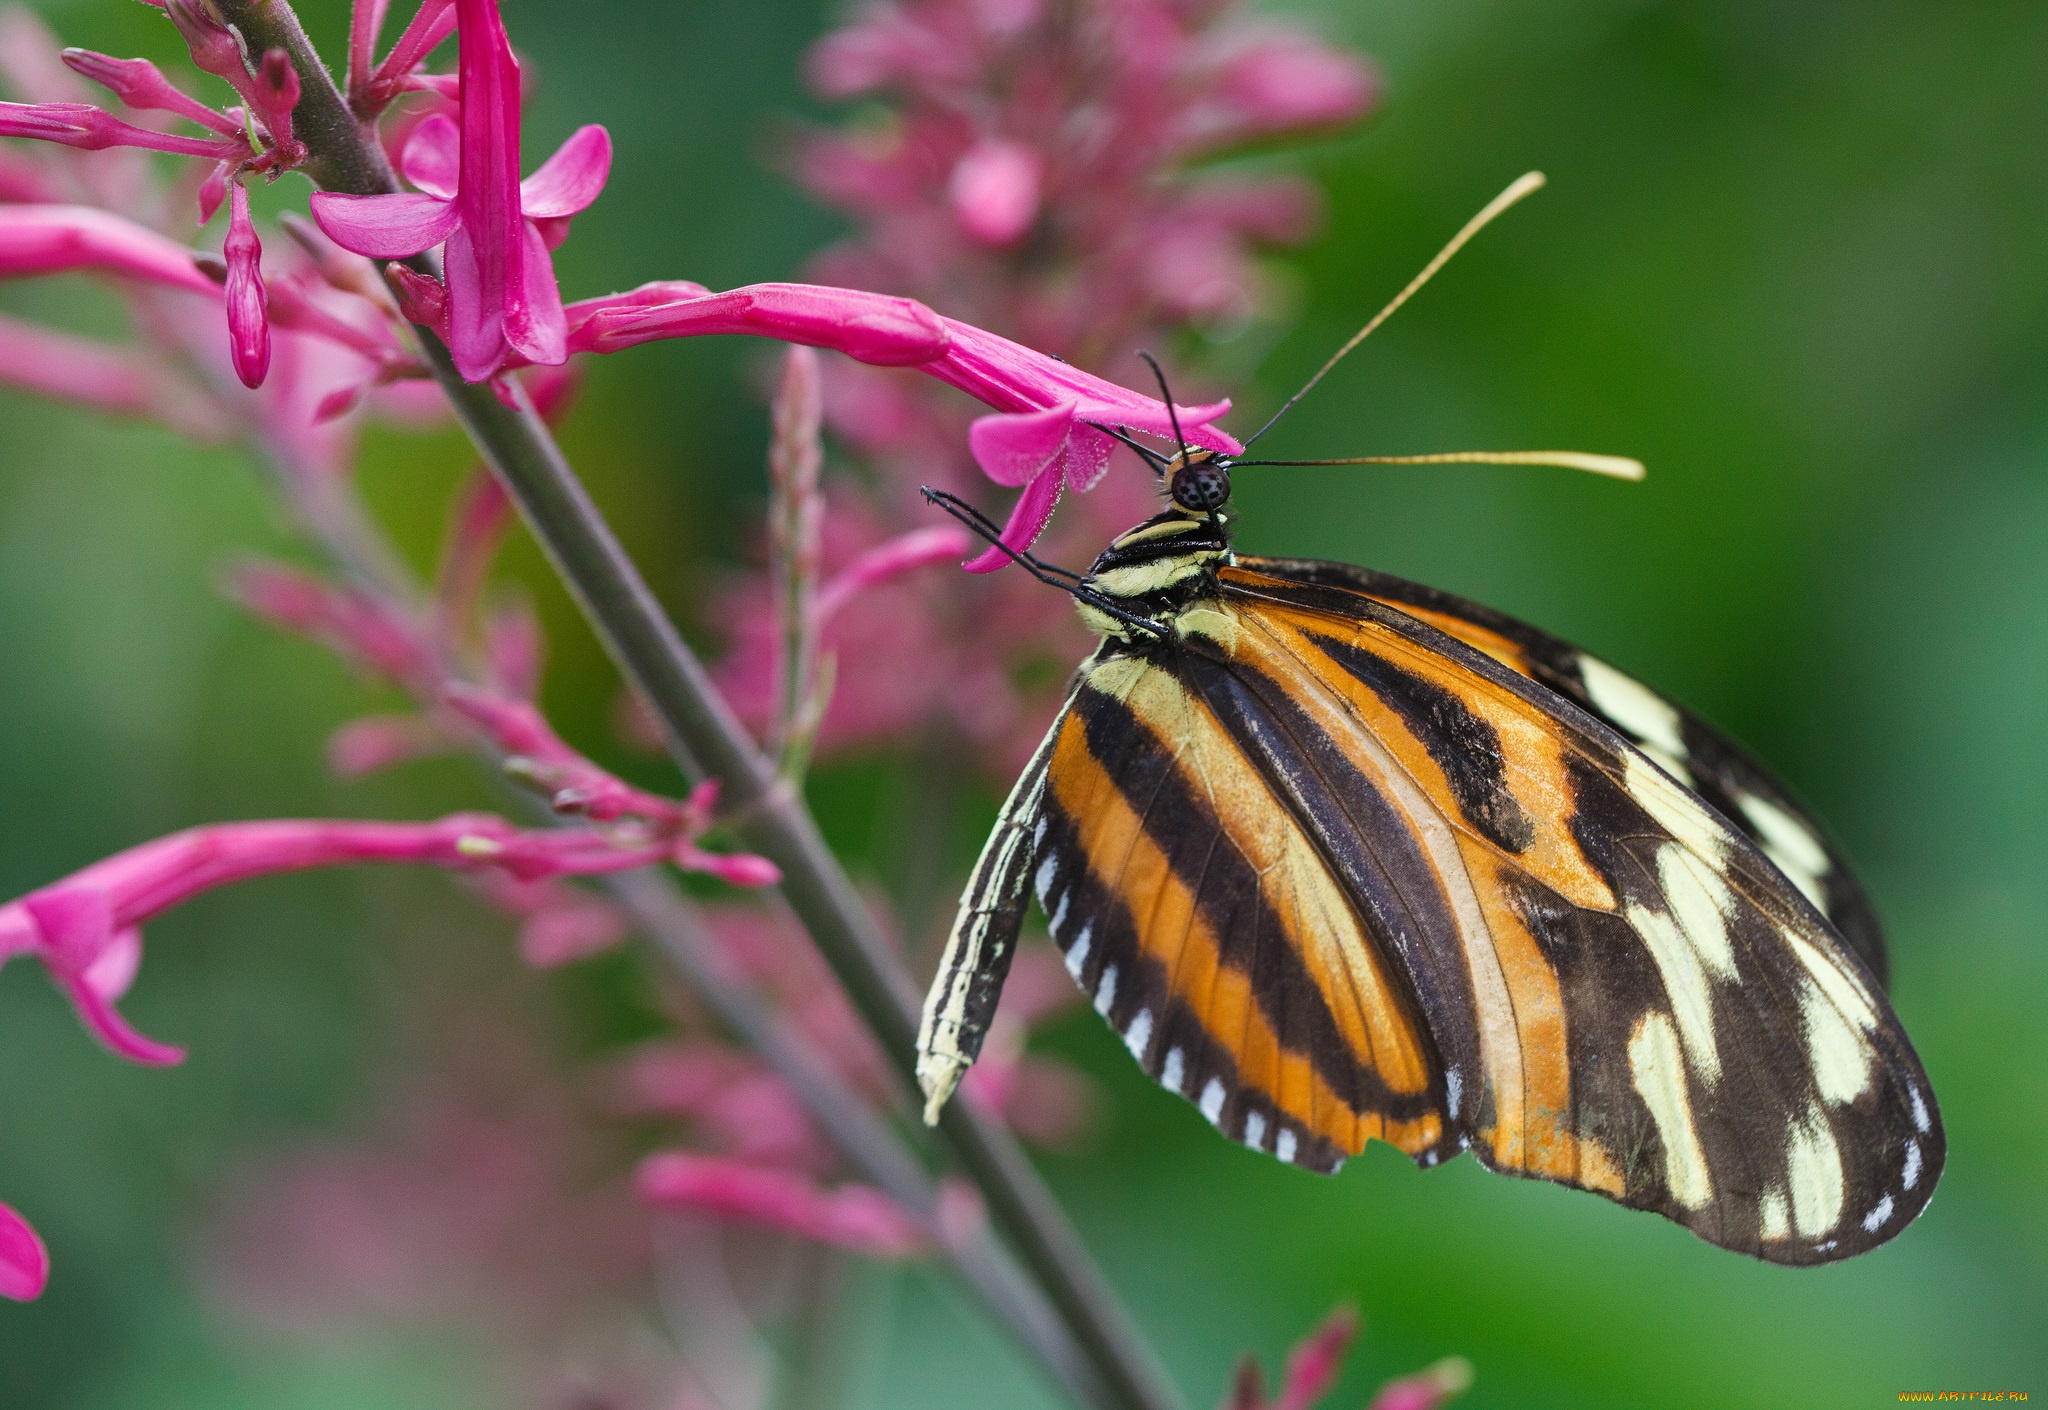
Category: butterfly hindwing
<point>1693,752</point>
<point>1660,1015</point>
<point>1197,914</point>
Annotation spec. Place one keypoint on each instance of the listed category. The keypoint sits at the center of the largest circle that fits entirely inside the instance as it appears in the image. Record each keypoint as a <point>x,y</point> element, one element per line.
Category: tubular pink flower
<point>248,321</point>
<point>58,239</point>
<point>434,22</point>
<point>273,93</point>
<point>142,85</point>
<point>95,129</point>
<point>575,784</point>
<point>995,189</point>
<point>86,929</point>
<point>852,1217</point>
<point>24,1262</point>
<point>378,741</point>
<point>1316,1360</point>
<point>502,306</point>
<point>362,630</point>
<point>1043,437</point>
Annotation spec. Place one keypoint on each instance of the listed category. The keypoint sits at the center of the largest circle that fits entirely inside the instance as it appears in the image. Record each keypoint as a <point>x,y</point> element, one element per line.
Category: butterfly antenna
<point>1151,457</point>
<point>1523,186</point>
<point>1171,415</point>
<point>1621,467</point>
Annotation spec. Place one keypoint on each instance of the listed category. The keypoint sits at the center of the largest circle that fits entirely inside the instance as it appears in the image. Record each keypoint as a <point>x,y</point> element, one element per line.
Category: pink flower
<point>109,379</point>
<point>1044,437</point>
<point>60,239</point>
<point>1313,1366</point>
<point>24,1262</point>
<point>502,301</point>
<point>853,1216</point>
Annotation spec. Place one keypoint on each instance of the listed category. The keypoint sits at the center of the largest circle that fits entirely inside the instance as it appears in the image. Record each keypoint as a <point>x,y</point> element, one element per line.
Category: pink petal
<point>536,325</point>
<point>248,306</point>
<point>432,159</point>
<point>571,179</point>
<point>1028,519</point>
<point>1014,448</point>
<point>476,314</point>
<point>24,1262</point>
<point>495,237</point>
<point>1088,452</point>
<point>38,239</point>
<point>104,1022</point>
<point>114,971</point>
<point>77,925</point>
<point>385,227</point>
<point>904,554</point>
<point>1314,1363</point>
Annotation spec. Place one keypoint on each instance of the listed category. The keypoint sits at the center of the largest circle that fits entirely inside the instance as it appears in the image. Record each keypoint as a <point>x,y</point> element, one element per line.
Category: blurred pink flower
<point>994,189</point>
<point>38,239</point>
<point>86,928</point>
<point>501,293</point>
<point>24,1262</point>
<point>854,1217</point>
<point>1315,1362</point>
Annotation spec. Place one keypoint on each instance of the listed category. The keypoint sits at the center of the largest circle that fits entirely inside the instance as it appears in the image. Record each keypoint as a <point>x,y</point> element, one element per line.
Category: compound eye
<point>1201,487</point>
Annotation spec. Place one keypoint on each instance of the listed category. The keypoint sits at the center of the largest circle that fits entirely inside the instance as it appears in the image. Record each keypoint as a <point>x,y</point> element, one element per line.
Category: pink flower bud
<point>1314,1364</point>
<point>213,45</point>
<point>57,239</point>
<point>141,84</point>
<point>732,868</point>
<point>24,1262</point>
<point>378,741</point>
<point>94,129</point>
<point>248,321</point>
<point>994,190</point>
<point>273,94</point>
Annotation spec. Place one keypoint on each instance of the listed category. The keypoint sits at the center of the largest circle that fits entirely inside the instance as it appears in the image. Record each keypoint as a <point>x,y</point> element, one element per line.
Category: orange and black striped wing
<point>1609,985</point>
<point>1692,751</point>
<point>1199,911</point>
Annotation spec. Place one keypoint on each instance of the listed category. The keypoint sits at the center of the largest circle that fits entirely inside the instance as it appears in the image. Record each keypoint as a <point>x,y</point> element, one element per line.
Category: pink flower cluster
<point>1039,176</point>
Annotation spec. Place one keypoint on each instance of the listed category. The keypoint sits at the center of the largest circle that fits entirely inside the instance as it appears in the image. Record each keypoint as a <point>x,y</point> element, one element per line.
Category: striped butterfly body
<point>1343,857</point>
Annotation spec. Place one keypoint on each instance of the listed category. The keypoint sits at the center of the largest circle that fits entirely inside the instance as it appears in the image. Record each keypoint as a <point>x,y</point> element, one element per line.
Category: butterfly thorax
<point>1157,569</point>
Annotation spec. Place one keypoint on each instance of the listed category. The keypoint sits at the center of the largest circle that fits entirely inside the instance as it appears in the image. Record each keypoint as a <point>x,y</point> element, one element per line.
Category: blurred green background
<point>1793,256</point>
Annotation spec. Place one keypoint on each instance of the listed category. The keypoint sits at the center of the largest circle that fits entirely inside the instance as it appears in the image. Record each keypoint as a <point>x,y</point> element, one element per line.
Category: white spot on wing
<point>1454,1084</point>
<point>1844,991</point>
<point>1174,1071</point>
<point>1038,834</point>
<point>1659,1077</point>
<point>1840,1056</point>
<point>1255,1130</point>
<point>1047,870</point>
<point>1875,1219</point>
<point>1686,982</point>
<point>1920,1121</point>
<point>1283,1145</point>
<point>1634,706</point>
<point>1105,990</point>
<point>1212,1101</point>
<point>1772,1218</point>
<point>1791,844</point>
<point>1077,953</point>
<point>1700,902</point>
<point>1676,810</point>
<point>1139,1035</point>
<point>1910,1176</point>
<point>1814,1168</point>
<point>1058,922</point>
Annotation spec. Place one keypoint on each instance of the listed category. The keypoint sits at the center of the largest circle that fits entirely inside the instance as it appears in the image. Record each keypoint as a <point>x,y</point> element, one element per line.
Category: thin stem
<point>706,740</point>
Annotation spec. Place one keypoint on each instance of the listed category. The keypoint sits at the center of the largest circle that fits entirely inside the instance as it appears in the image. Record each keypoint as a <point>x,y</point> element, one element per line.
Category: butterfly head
<point>1198,480</point>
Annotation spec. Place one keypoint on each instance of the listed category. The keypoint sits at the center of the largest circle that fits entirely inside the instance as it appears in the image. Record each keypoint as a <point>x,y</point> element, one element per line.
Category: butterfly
<point>1343,857</point>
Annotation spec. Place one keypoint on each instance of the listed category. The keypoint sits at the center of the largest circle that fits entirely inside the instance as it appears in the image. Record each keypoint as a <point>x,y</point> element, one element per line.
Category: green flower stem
<point>706,741</point>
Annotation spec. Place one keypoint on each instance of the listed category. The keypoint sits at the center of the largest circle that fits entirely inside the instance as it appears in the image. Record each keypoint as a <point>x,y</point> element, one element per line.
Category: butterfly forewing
<point>1692,751</point>
<point>1661,1016</point>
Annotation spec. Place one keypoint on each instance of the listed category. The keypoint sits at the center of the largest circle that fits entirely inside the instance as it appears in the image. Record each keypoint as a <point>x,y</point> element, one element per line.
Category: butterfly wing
<point>1650,1010</point>
<point>1686,747</point>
